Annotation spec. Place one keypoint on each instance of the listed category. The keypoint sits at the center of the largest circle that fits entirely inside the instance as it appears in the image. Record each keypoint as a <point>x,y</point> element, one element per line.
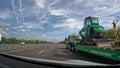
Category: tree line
<point>19,41</point>
<point>109,34</point>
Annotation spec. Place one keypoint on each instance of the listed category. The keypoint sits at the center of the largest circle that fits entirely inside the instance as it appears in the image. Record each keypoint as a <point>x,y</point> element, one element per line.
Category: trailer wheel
<point>69,47</point>
<point>66,46</point>
<point>72,49</point>
<point>75,50</point>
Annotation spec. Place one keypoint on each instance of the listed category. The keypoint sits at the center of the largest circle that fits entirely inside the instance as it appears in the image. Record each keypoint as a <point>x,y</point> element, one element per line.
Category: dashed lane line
<point>41,52</point>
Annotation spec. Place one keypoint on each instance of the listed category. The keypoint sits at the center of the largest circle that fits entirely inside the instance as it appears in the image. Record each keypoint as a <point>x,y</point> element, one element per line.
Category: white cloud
<point>33,25</point>
<point>57,12</point>
<point>70,24</point>
<point>40,3</point>
<point>77,9</point>
<point>23,30</point>
<point>5,14</point>
<point>100,9</point>
<point>4,27</point>
<point>44,36</point>
<point>71,15</point>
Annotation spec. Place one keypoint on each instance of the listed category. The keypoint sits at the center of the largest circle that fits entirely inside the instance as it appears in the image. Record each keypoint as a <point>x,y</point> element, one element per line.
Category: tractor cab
<point>91,21</point>
<point>91,28</point>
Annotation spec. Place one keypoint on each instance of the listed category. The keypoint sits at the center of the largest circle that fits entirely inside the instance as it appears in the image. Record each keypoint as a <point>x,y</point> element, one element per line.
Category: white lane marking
<point>41,51</point>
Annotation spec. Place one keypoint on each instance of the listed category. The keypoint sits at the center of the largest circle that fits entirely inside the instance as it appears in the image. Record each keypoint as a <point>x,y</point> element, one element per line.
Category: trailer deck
<point>103,51</point>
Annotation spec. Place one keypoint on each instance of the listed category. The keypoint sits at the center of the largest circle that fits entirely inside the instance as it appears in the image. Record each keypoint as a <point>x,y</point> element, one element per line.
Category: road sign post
<point>0,37</point>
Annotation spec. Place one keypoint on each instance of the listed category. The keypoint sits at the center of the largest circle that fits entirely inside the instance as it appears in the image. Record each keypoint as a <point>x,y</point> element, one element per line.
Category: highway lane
<point>56,52</point>
<point>49,51</point>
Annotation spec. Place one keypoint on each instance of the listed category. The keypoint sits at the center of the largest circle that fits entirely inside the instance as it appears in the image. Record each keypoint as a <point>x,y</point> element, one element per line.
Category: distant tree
<point>16,41</point>
<point>109,34</point>
<point>63,42</point>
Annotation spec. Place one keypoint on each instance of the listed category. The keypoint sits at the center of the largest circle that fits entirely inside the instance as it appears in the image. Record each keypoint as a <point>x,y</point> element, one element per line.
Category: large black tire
<point>69,47</point>
<point>72,48</point>
<point>66,46</point>
<point>75,50</point>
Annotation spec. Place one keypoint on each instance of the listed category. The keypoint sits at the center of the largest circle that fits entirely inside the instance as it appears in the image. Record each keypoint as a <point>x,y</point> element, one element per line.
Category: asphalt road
<point>45,51</point>
<point>52,52</point>
<point>57,52</point>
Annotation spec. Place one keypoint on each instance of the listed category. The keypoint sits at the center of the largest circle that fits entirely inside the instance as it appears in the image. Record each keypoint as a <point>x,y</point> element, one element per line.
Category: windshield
<point>41,29</point>
<point>95,20</point>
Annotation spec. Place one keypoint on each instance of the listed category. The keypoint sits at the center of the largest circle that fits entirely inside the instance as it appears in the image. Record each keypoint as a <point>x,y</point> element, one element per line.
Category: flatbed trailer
<point>90,35</point>
<point>103,51</point>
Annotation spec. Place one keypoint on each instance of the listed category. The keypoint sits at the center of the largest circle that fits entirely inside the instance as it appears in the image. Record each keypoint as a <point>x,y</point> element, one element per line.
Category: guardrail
<point>5,47</point>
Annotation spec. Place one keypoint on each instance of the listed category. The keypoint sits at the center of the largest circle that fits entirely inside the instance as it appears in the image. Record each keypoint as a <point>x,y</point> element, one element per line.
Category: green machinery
<point>91,32</point>
<point>70,41</point>
<point>86,40</point>
<point>92,28</point>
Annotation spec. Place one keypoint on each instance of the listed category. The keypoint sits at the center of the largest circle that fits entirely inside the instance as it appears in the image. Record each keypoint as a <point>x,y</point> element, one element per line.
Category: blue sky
<point>53,20</point>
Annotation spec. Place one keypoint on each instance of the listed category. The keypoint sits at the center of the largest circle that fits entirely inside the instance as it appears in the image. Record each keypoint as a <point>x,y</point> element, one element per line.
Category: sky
<point>53,20</point>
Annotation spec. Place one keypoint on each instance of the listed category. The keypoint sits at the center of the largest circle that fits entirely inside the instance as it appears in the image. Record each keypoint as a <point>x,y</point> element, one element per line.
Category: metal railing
<point>5,47</point>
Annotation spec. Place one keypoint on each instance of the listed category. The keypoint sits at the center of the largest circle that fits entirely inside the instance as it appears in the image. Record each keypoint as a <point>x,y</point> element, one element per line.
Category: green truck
<point>87,40</point>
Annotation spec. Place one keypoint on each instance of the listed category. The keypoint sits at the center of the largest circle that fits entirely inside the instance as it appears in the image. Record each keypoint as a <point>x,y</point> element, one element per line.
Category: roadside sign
<point>0,37</point>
